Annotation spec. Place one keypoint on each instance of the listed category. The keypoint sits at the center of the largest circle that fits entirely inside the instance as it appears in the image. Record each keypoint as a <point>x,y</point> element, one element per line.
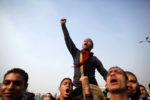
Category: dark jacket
<point>91,64</point>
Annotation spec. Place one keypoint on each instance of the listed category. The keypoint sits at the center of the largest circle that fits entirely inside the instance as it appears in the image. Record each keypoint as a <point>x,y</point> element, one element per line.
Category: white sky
<point>31,37</point>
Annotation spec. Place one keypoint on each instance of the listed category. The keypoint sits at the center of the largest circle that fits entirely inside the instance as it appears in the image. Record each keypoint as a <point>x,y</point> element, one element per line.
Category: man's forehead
<point>67,80</point>
<point>88,39</point>
<point>115,69</point>
<point>141,87</point>
<point>131,77</point>
<point>13,76</point>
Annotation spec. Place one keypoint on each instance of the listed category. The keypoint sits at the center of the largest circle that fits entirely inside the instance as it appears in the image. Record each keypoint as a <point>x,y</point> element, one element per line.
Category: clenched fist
<point>63,21</point>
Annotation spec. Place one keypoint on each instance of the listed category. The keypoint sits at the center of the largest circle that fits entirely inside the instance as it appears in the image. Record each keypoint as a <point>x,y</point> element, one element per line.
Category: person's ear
<point>128,83</point>
<point>59,88</point>
<point>106,86</point>
<point>26,86</point>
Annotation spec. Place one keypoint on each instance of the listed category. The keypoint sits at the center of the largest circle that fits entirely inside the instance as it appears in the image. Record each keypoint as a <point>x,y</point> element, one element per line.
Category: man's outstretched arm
<point>85,85</point>
<point>70,45</point>
<point>101,68</point>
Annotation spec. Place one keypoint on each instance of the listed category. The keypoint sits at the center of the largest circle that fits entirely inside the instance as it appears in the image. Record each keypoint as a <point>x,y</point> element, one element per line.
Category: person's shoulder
<point>94,57</point>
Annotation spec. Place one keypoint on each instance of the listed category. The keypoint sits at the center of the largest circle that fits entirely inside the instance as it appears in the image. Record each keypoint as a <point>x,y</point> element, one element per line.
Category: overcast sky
<point>31,37</point>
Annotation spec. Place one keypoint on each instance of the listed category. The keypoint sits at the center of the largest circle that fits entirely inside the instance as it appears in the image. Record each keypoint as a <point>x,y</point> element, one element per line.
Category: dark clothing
<point>65,99</point>
<point>87,97</point>
<point>91,64</point>
<point>144,98</point>
<point>136,96</point>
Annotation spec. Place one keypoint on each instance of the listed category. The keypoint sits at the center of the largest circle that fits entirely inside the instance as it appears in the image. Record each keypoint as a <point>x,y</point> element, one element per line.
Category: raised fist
<point>63,21</point>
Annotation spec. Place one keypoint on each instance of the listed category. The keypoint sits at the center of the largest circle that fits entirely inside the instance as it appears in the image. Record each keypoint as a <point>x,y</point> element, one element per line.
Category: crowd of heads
<point>49,96</point>
<point>124,85</point>
<point>119,84</point>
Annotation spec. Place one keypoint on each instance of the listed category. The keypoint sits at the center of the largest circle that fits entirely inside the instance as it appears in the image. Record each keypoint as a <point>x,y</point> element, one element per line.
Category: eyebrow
<point>118,71</point>
<point>14,81</point>
<point>132,80</point>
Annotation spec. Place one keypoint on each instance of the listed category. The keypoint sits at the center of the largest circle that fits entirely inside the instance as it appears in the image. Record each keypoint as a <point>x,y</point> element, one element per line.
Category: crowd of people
<point>120,84</point>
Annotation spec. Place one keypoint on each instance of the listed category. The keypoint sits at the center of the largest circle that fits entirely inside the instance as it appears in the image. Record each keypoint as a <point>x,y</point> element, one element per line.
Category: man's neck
<point>123,96</point>
<point>86,50</point>
<point>62,98</point>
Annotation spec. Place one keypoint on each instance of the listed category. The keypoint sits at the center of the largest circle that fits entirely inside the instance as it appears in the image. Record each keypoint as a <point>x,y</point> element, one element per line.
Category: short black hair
<point>67,78</point>
<point>130,73</point>
<point>18,71</point>
<point>142,86</point>
<point>51,96</point>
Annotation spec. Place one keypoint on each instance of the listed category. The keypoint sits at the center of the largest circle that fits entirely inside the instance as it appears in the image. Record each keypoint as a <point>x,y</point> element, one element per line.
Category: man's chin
<point>8,98</point>
<point>86,49</point>
<point>66,96</point>
<point>131,93</point>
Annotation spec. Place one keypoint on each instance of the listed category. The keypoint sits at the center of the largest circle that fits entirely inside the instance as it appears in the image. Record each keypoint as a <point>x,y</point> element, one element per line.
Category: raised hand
<point>63,21</point>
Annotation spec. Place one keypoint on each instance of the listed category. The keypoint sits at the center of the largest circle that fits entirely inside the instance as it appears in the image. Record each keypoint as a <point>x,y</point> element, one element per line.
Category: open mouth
<point>130,87</point>
<point>113,81</point>
<point>67,90</point>
<point>9,94</point>
<point>85,43</point>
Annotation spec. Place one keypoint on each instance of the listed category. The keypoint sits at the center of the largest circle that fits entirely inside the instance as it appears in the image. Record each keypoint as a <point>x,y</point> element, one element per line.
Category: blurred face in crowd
<point>47,96</point>
<point>13,86</point>
<point>66,88</point>
<point>87,44</point>
<point>116,81</point>
<point>143,92</point>
<point>132,85</point>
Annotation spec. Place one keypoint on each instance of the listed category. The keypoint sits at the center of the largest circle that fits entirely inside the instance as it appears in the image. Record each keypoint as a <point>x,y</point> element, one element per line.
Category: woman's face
<point>47,97</point>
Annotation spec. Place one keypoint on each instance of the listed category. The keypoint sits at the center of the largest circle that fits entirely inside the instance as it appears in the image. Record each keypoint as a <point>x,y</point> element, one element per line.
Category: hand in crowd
<point>85,83</point>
